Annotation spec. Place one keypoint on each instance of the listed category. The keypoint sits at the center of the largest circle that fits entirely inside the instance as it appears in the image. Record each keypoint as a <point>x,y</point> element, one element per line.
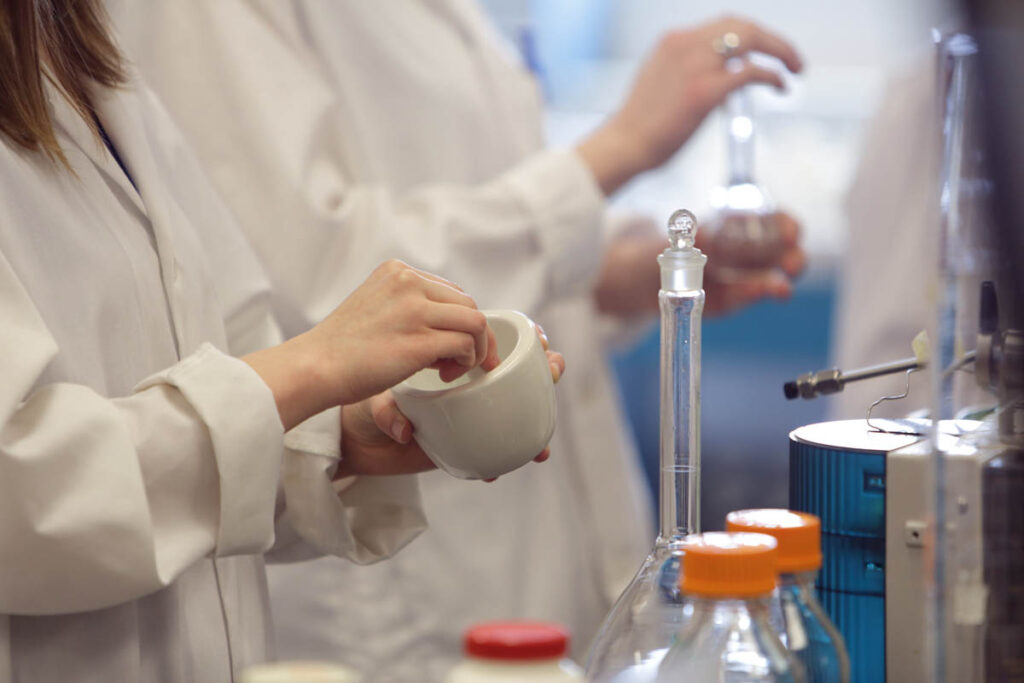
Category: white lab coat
<point>402,129</point>
<point>139,463</point>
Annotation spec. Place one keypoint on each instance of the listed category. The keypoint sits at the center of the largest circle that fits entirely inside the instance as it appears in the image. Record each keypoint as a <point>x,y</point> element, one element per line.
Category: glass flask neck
<point>739,130</point>
<point>680,414</point>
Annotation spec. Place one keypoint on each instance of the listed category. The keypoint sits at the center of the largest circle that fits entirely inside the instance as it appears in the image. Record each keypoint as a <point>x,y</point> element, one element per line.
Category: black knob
<point>790,389</point>
<point>988,322</point>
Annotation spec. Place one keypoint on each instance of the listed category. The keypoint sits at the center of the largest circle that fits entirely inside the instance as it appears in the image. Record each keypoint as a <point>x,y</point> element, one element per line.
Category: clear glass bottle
<point>801,621</point>
<point>516,652</point>
<point>638,631</point>
<point>729,637</point>
<point>745,236</point>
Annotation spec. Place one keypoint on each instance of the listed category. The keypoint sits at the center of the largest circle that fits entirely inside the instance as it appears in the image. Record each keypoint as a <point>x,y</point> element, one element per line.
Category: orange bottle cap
<point>728,565</point>
<point>798,534</point>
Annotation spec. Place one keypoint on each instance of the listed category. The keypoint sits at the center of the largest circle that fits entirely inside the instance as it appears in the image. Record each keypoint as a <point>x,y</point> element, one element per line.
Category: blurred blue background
<point>585,52</point>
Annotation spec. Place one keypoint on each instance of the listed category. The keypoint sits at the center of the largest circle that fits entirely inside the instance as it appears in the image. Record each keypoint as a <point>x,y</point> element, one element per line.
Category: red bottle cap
<point>516,640</point>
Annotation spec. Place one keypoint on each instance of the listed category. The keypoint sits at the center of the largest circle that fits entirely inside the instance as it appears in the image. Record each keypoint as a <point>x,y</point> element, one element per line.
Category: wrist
<point>316,372</point>
<point>295,376</point>
<point>614,155</point>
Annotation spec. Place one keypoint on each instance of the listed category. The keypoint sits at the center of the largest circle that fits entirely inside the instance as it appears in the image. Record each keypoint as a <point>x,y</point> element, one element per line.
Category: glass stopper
<point>682,229</point>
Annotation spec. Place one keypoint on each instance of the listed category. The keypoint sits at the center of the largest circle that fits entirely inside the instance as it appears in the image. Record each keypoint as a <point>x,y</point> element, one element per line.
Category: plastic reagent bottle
<point>729,577</point>
<point>514,652</point>
<point>802,623</point>
<point>643,622</point>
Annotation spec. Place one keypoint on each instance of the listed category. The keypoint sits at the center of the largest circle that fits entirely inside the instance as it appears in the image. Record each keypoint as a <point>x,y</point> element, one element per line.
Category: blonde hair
<point>64,41</point>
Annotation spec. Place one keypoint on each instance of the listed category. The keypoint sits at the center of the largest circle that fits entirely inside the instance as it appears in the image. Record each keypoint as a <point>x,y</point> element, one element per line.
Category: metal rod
<point>813,384</point>
<point>881,369</point>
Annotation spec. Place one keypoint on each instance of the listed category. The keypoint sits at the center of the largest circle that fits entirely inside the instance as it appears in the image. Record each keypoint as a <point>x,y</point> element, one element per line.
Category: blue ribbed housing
<point>861,620</point>
<point>853,564</point>
<point>846,489</point>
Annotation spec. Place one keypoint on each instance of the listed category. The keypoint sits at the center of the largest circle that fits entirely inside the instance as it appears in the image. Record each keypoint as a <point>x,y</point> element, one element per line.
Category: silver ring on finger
<point>727,44</point>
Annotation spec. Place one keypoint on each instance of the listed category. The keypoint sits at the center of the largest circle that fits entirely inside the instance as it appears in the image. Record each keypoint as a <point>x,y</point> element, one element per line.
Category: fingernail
<point>556,373</point>
<point>397,429</point>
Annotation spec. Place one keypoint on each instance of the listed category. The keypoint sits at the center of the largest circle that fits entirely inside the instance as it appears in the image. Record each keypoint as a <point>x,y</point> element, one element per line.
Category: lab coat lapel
<point>124,126</point>
<point>77,130</point>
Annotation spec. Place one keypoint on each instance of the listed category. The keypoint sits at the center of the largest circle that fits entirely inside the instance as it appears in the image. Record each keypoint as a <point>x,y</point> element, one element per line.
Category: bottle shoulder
<point>810,635</point>
<point>730,638</point>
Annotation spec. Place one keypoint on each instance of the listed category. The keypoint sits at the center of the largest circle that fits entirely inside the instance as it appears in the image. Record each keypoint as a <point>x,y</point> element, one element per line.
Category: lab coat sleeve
<point>269,137</point>
<point>363,519</point>
<point>529,234</point>
<point>105,500</point>
<point>366,520</point>
<point>620,332</point>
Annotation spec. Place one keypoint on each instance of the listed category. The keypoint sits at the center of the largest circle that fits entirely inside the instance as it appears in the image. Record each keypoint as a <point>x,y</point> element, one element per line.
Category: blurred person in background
<point>150,440</point>
<point>893,201</point>
<point>341,132</point>
<point>890,203</point>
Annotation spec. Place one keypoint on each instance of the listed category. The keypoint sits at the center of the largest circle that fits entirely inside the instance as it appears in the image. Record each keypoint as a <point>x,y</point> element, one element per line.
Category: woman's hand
<point>399,321</point>
<point>725,295</point>
<point>376,438</point>
<point>675,89</point>
<point>630,276</point>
